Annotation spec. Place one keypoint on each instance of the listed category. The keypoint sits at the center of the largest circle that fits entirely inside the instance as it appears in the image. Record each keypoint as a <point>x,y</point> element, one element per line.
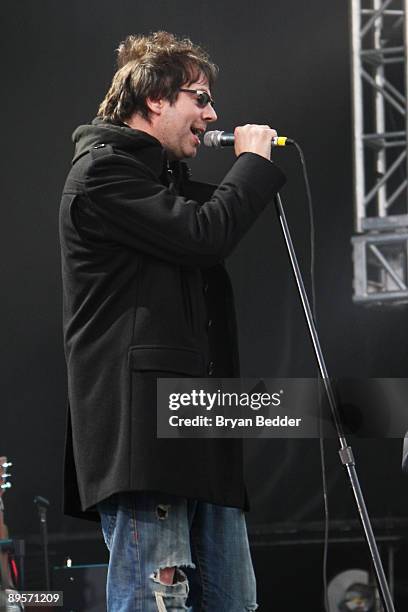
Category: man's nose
<point>209,114</point>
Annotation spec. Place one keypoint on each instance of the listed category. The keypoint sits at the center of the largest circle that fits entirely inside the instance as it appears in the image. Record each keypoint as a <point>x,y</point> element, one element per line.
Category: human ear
<point>155,106</point>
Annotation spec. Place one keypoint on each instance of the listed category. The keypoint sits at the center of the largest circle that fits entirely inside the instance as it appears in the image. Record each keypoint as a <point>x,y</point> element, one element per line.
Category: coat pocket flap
<point>166,359</point>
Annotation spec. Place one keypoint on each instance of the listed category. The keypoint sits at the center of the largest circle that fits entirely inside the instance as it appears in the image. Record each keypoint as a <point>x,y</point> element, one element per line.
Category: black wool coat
<point>145,294</point>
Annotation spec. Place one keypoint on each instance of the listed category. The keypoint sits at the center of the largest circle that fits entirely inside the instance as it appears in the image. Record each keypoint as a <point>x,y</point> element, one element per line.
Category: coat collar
<point>134,142</point>
<point>121,137</point>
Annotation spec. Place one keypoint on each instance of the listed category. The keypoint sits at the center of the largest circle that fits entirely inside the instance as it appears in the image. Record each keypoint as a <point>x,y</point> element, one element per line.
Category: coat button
<point>205,288</point>
<point>209,323</point>
<point>211,368</point>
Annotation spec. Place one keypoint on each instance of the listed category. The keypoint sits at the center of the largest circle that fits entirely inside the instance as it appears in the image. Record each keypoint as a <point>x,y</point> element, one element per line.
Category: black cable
<point>321,438</point>
<point>311,228</point>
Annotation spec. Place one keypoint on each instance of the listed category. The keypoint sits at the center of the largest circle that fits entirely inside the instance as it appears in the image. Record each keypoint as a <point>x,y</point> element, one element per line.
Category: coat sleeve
<point>136,210</point>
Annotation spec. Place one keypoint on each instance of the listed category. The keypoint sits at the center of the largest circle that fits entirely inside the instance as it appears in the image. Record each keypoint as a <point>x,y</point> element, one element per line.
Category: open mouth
<point>198,132</point>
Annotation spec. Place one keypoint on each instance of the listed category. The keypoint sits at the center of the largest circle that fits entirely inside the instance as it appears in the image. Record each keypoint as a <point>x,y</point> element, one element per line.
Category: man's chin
<point>183,154</point>
<point>187,155</point>
<point>192,151</point>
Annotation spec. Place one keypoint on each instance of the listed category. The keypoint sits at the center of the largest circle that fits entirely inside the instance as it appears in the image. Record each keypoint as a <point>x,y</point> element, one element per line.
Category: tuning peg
<point>6,485</point>
<point>7,464</point>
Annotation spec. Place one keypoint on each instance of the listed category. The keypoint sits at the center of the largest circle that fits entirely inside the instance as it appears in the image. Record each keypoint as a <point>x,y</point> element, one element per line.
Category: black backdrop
<point>285,63</point>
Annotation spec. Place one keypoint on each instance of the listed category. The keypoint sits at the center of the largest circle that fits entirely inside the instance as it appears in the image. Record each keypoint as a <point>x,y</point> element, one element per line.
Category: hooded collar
<point>134,142</point>
<point>121,137</point>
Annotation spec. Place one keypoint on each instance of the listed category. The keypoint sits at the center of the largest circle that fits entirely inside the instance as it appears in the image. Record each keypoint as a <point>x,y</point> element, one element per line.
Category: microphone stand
<point>43,505</point>
<point>345,452</point>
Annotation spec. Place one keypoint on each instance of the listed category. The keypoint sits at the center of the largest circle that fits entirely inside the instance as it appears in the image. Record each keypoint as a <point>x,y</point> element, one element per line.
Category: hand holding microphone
<point>247,139</point>
<point>254,139</point>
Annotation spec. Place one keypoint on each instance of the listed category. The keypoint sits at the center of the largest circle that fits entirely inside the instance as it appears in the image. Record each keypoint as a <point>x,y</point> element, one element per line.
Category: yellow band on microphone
<point>279,141</point>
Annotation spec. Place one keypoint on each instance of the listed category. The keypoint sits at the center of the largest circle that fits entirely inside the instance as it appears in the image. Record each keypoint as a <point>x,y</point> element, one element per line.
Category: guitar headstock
<point>4,476</point>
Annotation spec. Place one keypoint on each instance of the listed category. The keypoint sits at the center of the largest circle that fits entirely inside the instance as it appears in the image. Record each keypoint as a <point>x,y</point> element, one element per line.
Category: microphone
<point>41,502</point>
<point>218,139</point>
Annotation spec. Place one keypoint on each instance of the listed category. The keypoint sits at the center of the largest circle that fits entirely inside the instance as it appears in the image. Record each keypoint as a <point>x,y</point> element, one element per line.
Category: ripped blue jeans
<point>207,544</point>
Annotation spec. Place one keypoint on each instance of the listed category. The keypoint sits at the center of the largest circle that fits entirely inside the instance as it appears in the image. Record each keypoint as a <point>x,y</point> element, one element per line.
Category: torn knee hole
<point>162,511</point>
<point>169,576</point>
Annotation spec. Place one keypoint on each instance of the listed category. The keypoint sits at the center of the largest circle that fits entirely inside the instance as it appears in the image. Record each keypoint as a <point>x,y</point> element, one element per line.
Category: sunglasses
<point>202,97</point>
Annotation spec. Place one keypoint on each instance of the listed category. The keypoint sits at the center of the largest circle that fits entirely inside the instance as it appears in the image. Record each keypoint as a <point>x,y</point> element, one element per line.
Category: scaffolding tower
<point>380,137</point>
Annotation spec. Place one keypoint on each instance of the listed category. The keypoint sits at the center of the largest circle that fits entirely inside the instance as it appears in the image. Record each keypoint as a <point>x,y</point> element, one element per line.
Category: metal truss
<point>380,136</point>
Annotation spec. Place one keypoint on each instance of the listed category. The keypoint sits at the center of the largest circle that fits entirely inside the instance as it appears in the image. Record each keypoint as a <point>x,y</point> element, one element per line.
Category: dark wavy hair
<point>155,67</point>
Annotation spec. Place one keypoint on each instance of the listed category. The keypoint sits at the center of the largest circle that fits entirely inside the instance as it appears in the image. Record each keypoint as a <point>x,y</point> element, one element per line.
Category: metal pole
<point>358,121</point>
<point>405,38</point>
<point>380,111</point>
<point>345,452</point>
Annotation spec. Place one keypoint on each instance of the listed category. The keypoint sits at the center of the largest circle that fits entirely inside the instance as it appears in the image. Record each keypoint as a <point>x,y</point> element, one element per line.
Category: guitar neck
<point>5,575</point>
<point>3,528</point>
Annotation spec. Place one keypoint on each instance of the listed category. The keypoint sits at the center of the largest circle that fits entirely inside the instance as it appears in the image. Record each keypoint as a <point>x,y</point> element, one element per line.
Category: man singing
<point>146,295</point>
